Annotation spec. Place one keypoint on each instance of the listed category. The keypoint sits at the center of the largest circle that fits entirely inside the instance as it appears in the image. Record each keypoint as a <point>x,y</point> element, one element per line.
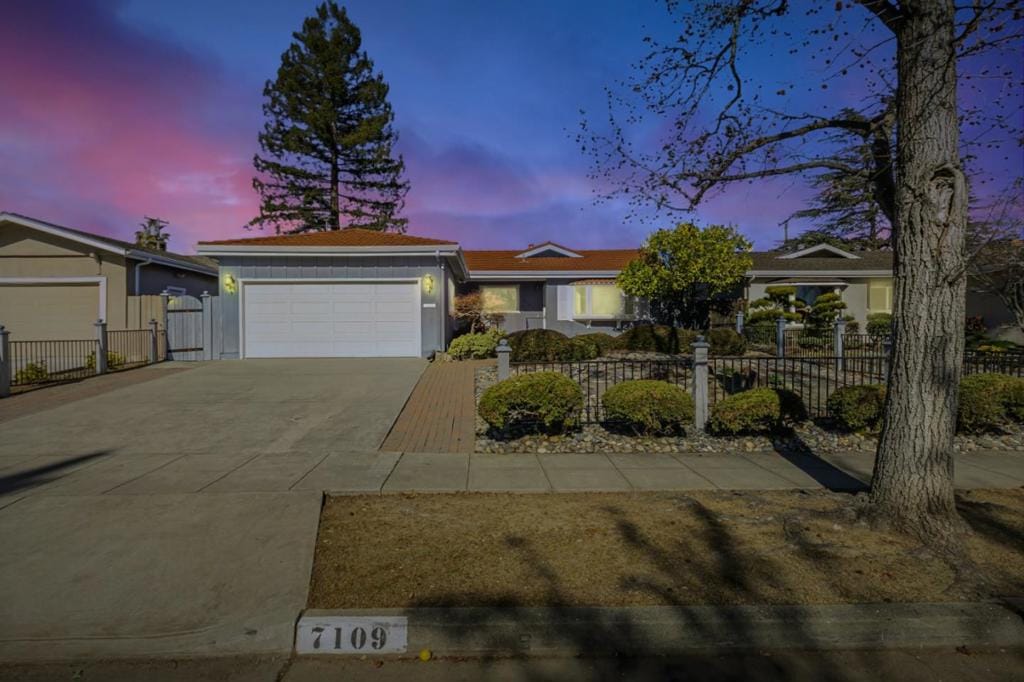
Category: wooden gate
<point>184,328</point>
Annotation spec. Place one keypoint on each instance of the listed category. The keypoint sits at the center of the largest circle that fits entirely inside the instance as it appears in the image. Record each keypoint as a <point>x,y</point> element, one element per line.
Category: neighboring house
<point>56,282</point>
<point>863,278</point>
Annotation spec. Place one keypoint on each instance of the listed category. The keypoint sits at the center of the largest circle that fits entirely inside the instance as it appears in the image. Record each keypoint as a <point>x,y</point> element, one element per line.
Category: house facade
<point>354,292</point>
<point>56,281</point>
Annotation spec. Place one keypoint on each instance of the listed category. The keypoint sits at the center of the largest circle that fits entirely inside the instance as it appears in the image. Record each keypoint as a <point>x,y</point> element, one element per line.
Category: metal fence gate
<point>184,326</point>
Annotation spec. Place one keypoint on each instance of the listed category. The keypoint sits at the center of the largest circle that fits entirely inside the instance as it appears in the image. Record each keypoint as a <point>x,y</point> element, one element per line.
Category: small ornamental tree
<point>686,272</point>
<point>827,308</point>
<point>468,309</point>
<point>779,301</point>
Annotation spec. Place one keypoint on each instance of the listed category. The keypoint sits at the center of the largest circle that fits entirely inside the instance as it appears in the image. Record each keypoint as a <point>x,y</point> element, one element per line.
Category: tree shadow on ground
<point>800,454</point>
<point>733,642</point>
<point>36,476</point>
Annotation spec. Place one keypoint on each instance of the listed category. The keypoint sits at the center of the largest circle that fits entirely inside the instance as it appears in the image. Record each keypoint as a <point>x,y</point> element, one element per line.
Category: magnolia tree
<point>687,273</point>
<point>880,77</point>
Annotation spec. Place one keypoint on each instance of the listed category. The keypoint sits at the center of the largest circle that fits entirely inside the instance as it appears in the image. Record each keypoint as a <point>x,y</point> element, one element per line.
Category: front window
<point>500,298</point>
<point>880,295</point>
<point>600,301</point>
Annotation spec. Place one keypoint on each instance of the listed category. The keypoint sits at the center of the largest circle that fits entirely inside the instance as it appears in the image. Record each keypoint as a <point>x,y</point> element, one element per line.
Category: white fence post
<point>837,342</point>
<point>207,326</point>
<point>780,337</point>
<point>154,342</point>
<point>101,347</point>
<point>504,353</point>
<point>739,322</point>
<point>700,382</point>
<point>6,368</point>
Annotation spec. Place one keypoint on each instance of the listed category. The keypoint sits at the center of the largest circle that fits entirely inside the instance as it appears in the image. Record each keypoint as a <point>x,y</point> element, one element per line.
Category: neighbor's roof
<point>589,261</point>
<point>349,236</point>
<point>130,249</point>
<point>866,260</point>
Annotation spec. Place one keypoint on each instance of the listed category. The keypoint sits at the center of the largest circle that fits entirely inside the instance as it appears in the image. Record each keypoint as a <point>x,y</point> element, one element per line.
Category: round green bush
<point>580,348</point>
<point>604,342</point>
<point>547,399</point>
<point>982,402</point>
<point>857,408</point>
<point>648,406</point>
<point>726,342</point>
<point>475,346</point>
<point>879,324</point>
<point>538,345</point>
<point>759,410</point>
<point>1014,399</point>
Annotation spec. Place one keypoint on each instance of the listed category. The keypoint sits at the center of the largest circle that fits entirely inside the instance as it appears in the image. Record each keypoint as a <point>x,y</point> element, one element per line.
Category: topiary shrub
<point>475,346</point>
<point>648,406</point>
<point>604,342</point>
<point>726,342</point>
<point>857,408</point>
<point>879,324</point>
<point>759,410</point>
<point>982,402</point>
<point>32,373</point>
<point>538,345</point>
<point>114,360</point>
<point>543,399</point>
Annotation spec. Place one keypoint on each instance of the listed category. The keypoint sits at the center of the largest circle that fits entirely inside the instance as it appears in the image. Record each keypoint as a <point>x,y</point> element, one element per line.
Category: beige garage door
<point>35,312</point>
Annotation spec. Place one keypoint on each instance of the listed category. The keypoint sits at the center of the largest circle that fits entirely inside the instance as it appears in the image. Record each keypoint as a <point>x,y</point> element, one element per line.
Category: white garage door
<point>337,320</point>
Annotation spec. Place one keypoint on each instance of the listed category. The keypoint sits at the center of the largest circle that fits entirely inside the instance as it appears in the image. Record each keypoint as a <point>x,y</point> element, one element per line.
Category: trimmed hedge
<point>726,342</point>
<point>580,348</point>
<point>648,406</point>
<point>879,324</point>
<point>475,346</point>
<point>654,338</point>
<point>604,342</point>
<point>538,345</point>
<point>857,408</point>
<point>1015,400</point>
<point>986,401</point>
<point>759,410</point>
<point>550,399</point>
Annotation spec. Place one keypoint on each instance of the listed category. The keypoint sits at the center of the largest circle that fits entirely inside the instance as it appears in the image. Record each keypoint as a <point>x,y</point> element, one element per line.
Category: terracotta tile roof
<point>350,236</point>
<point>605,259</point>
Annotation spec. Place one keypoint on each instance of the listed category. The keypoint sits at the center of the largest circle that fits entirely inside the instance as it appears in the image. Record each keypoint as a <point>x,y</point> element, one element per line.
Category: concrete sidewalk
<point>115,474</point>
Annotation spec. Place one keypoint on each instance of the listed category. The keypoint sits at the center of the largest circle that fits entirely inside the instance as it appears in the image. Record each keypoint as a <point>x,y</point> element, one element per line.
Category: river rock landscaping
<point>807,438</point>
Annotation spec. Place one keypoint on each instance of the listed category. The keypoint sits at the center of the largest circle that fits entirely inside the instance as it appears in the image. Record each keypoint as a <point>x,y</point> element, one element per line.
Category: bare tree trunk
<point>912,488</point>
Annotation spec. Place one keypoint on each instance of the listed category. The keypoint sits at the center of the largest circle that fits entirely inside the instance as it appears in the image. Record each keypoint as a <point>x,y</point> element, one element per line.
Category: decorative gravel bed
<point>807,438</point>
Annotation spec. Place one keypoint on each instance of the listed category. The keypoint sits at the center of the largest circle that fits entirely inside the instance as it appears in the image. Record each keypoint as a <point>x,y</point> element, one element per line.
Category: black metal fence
<point>49,362</point>
<point>37,363</point>
<point>596,376</point>
<point>813,378</point>
<point>999,362</point>
<point>811,342</point>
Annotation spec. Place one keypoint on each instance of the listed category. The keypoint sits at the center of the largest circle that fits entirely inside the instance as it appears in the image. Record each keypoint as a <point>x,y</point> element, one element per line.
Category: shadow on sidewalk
<point>822,471</point>
<point>31,478</point>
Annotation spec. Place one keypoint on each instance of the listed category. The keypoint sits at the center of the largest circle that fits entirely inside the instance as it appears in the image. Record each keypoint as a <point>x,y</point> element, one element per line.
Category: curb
<point>661,630</point>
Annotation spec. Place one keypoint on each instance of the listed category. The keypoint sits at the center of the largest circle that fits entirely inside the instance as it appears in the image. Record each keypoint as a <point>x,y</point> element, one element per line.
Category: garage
<point>46,312</point>
<point>331,319</point>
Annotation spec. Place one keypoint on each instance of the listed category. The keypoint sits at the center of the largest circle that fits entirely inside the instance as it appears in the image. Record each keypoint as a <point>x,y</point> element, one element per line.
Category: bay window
<point>600,302</point>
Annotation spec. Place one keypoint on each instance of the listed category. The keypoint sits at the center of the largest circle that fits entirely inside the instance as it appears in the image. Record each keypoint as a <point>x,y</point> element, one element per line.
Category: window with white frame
<point>500,298</point>
<point>600,302</point>
<point>880,295</point>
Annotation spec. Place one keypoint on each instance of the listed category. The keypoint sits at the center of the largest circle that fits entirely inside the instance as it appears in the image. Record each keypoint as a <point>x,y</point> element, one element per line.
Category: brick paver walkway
<point>440,414</point>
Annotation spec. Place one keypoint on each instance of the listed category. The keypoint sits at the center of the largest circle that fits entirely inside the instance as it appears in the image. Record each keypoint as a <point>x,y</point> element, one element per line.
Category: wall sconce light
<point>428,284</point>
<point>230,285</point>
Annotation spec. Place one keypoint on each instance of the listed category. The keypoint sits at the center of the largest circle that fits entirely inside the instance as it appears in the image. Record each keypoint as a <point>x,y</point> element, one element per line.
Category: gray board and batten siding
<point>433,320</point>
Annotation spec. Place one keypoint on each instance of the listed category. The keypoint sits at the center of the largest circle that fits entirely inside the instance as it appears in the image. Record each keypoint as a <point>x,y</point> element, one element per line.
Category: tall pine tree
<point>327,144</point>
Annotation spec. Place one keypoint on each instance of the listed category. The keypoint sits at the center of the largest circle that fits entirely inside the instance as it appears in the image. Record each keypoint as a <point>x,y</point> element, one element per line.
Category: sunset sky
<point>117,109</point>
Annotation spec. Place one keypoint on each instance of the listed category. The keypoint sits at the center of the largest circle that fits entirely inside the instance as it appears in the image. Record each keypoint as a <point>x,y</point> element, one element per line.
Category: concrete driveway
<point>178,516</point>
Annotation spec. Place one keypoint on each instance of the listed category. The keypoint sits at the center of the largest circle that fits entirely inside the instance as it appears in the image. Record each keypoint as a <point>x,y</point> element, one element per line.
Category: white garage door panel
<point>332,320</point>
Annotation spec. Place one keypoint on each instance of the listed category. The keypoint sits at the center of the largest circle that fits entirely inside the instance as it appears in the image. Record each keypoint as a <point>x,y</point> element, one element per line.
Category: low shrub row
<point>548,345</point>
<point>987,401</point>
